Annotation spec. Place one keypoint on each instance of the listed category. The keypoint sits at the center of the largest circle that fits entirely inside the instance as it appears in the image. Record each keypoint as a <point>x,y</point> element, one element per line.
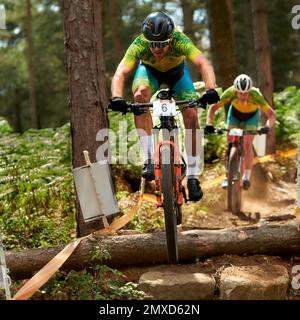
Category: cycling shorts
<point>246,121</point>
<point>177,79</point>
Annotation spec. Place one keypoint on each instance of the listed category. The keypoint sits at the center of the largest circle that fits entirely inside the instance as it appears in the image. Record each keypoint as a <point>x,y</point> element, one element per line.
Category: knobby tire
<point>234,191</point>
<point>169,203</point>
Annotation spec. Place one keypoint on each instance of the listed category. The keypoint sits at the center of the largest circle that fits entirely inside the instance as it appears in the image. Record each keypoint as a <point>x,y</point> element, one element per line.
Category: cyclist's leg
<point>250,124</point>
<point>232,122</point>
<point>184,89</point>
<point>144,84</point>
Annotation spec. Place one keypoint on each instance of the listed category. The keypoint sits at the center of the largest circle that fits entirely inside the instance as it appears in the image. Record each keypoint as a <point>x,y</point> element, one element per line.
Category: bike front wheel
<point>169,203</point>
<point>234,191</point>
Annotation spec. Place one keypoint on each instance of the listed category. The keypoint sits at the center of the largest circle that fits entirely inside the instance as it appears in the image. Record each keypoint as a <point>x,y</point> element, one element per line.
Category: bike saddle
<point>165,94</point>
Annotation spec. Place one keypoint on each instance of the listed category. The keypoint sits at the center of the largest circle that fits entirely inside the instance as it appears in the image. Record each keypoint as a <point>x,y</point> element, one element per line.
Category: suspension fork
<point>176,162</point>
<point>238,143</point>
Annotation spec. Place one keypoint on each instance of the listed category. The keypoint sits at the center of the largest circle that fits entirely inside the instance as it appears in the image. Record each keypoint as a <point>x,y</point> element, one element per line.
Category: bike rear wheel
<point>234,190</point>
<point>169,203</point>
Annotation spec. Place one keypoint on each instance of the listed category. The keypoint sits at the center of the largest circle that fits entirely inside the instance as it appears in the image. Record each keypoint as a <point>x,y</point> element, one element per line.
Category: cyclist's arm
<point>186,47</point>
<point>271,117</point>
<point>264,106</point>
<point>226,97</point>
<point>118,80</point>
<point>206,70</point>
<point>211,113</point>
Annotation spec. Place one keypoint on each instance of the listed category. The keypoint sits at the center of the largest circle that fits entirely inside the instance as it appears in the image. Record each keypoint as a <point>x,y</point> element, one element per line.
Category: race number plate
<point>236,132</point>
<point>164,108</point>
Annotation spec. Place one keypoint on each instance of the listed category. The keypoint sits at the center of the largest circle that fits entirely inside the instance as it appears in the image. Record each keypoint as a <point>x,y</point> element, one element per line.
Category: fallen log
<point>267,237</point>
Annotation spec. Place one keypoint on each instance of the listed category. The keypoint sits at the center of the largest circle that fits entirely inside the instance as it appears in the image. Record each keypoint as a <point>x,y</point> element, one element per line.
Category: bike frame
<point>175,159</point>
<point>235,167</point>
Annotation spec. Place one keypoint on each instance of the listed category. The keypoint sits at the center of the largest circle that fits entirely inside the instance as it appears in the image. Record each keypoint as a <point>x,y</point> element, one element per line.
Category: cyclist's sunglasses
<point>158,44</point>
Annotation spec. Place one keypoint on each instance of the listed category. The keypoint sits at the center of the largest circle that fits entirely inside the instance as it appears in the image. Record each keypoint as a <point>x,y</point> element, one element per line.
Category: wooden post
<point>298,177</point>
<point>4,271</point>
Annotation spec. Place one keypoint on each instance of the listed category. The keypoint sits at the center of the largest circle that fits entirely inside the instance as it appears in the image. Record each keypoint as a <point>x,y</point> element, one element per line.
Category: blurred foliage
<point>48,57</point>
<point>5,127</point>
<point>96,283</point>
<point>287,104</point>
<point>37,204</point>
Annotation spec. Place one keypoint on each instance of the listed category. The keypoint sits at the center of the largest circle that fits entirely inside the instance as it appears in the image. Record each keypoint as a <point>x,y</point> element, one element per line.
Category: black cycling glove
<point>137,110</point>
<point>209,128</point>
<point>210,96</point>
<point>264,130</point>
<point>118,104</point>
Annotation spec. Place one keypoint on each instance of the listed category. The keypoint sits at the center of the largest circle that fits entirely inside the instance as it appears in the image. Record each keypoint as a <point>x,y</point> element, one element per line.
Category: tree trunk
<point>268,237</point>
<point>296,44</point>
<point>249,38</point>
<point>188,20</point>
<point>188,29</point>
<point>87,97</point>
<point>222,40</point>
<point>263,60</point>
<point>31,73</point>
<point>115,23</point>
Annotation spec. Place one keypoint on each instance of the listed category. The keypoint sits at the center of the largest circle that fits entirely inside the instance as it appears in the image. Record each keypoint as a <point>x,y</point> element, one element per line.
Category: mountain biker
<point>245,103</point>
<point>160,52</point>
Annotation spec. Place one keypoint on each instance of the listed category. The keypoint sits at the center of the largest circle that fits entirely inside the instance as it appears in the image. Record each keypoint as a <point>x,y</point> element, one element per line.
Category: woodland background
<point>33,77</point>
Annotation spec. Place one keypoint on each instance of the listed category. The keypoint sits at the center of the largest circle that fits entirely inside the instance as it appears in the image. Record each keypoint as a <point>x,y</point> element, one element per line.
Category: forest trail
<point>272,196</point>
<point>272,193</point>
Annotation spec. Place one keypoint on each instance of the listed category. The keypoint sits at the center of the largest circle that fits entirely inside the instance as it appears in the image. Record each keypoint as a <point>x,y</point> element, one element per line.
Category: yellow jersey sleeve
<point>181,46</point>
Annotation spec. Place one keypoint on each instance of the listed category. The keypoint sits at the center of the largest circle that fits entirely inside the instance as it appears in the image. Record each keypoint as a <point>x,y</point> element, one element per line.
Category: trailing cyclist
<point>245,103</point>
<point>160,53</point>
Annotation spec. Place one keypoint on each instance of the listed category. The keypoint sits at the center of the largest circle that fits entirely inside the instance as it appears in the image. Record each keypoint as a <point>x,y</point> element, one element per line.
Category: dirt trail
<point>272,195</point>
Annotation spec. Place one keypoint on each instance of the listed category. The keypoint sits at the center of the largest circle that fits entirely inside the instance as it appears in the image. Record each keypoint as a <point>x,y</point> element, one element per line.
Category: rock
<point>269,282</point>
<point>172,285</point>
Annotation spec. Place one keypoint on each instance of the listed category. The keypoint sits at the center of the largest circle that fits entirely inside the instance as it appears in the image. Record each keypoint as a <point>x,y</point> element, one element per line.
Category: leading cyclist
<point>245,103</point>
<point>160,51</point>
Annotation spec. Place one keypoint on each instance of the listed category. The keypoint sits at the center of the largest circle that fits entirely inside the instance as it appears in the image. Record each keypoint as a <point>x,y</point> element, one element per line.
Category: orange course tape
<point>40,278</point>
<point>32,285</point>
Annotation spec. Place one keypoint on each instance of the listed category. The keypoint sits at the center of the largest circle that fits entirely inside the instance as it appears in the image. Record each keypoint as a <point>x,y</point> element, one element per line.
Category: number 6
<point>164,107</point>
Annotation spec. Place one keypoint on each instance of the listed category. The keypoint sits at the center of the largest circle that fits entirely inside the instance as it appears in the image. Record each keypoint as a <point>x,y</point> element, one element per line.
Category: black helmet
<point>158,27</point>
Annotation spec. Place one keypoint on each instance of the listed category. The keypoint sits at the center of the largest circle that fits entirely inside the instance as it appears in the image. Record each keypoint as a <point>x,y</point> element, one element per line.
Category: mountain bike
<point>169,165</point>
<point>235,165</point>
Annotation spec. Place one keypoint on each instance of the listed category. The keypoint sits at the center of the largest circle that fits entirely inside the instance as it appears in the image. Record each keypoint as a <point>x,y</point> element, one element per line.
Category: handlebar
<point>244,133</point>
<point>198,103</point>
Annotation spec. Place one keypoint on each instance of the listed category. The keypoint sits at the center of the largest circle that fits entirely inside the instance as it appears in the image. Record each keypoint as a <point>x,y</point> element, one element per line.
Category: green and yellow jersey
<point>180,47</point>
<point>255,101</point>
